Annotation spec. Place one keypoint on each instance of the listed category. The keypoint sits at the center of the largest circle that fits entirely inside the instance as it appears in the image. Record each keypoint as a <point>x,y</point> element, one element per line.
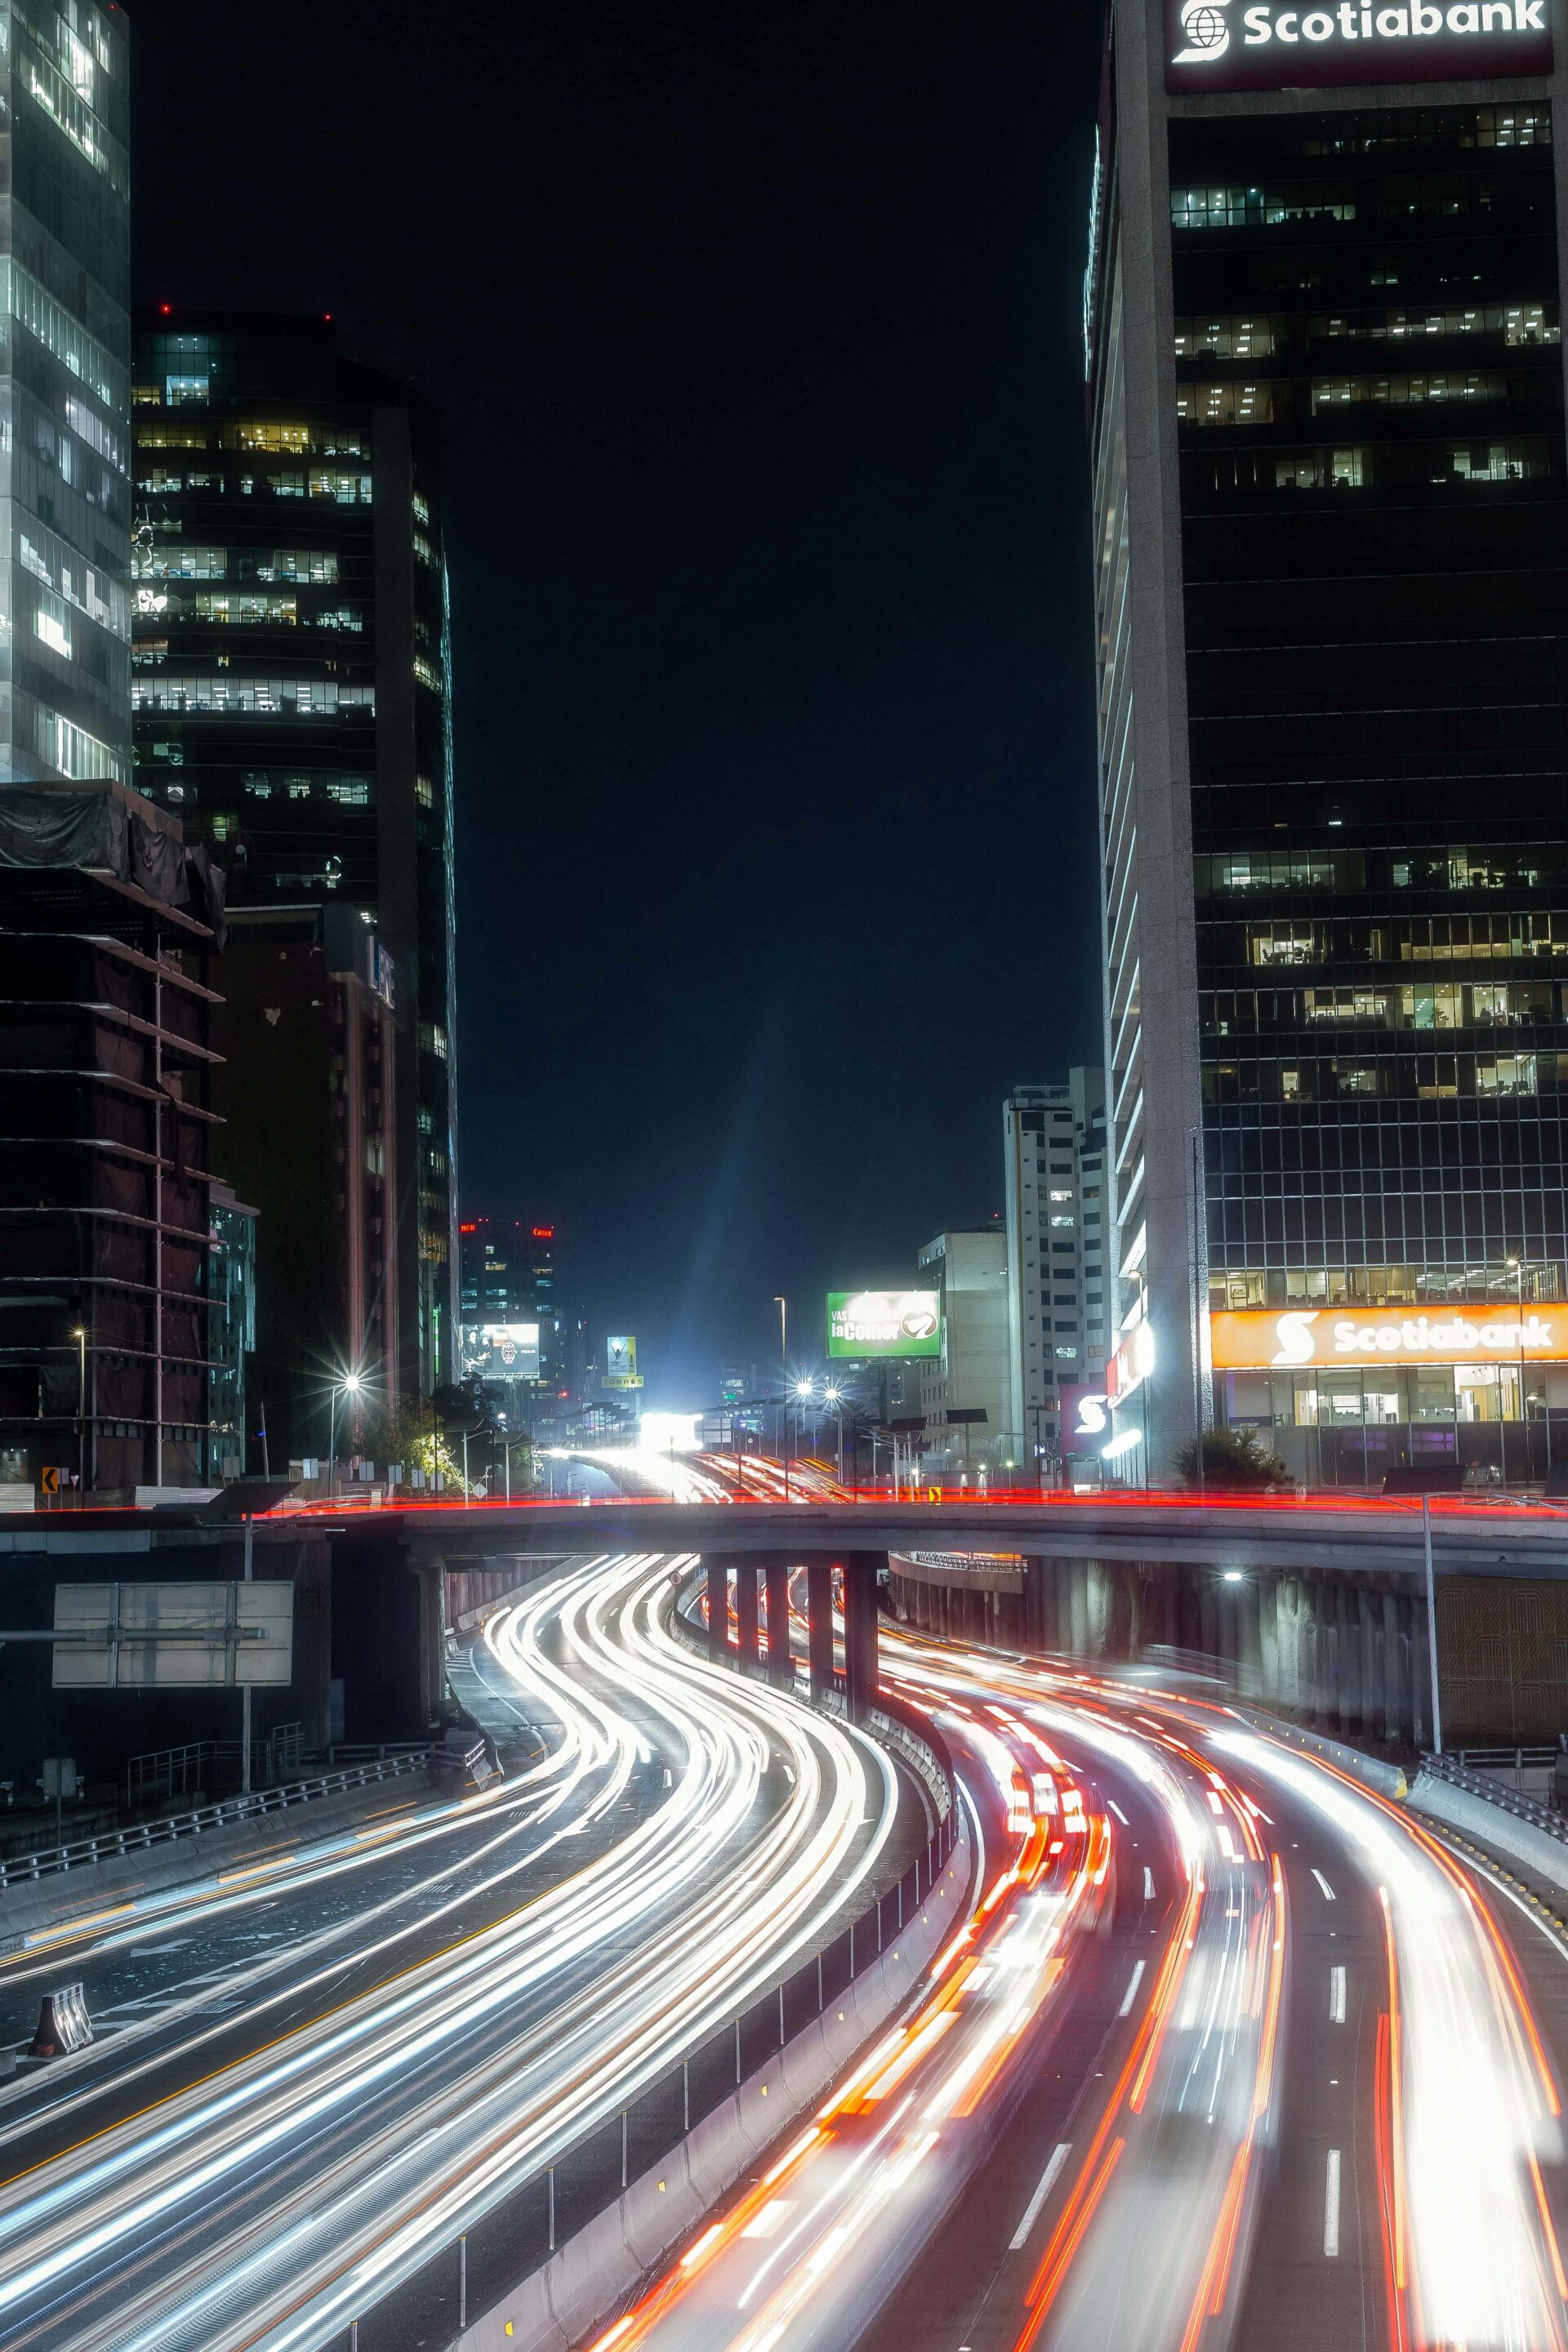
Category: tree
<point>1232,1457</point>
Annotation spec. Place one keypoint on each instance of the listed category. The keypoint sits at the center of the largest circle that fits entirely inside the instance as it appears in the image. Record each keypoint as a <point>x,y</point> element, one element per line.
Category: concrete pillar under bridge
<point>746,1611</point>
<point>780,1664</point>
<point>716,1568</point>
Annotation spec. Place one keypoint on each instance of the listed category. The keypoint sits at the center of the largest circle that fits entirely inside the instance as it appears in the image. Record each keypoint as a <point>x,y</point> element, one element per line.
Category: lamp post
<point>834,1397</point>
<point>782,1306</point>
<point>350,1385</point>
<point>80,1336</point>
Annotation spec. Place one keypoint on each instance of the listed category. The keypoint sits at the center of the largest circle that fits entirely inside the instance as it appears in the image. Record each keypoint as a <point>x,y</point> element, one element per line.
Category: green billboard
<point>863,1323</point>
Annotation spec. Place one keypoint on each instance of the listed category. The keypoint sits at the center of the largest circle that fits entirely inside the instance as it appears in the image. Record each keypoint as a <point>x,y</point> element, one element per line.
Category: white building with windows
<point>964,1399</point>
<point>1059,1249</point>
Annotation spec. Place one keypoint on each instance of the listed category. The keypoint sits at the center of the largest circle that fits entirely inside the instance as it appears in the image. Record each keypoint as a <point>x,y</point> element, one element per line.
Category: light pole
<point>834,1397</point>
<point>80,1336</point>
<point>782,1306</point>
<point>350,1385</point>
<point>1516,1264</point>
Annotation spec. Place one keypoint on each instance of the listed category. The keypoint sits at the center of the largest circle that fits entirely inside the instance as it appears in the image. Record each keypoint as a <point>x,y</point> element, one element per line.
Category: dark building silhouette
<point>292,686</point>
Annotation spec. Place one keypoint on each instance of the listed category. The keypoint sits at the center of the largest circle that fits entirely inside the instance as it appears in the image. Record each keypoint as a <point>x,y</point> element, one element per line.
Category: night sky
<point>756,337</point>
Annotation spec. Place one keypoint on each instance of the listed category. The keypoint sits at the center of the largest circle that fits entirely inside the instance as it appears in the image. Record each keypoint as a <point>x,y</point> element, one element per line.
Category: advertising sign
<point>499,1351</point>
<point>621,1364</point>
<point>883,1323</point>
<point>1225,45</point>
<point>1131,1364</point>
<point>1263,1340</point>
<point>1086,1416</point>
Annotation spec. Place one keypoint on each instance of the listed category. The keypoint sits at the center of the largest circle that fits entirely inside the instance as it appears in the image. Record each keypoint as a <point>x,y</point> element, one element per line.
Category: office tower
<point>1325,371</point>
<point>306,1089</point>
<point>65,453</point>
<point>121,1310</point>
<point>292,692</point>
<point>1059,1248</point>
<point>964,1398</point>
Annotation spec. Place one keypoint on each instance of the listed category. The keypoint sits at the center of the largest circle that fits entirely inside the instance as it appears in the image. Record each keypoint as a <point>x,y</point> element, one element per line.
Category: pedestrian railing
<point>1496,1793</point>
<point>142,1837</point>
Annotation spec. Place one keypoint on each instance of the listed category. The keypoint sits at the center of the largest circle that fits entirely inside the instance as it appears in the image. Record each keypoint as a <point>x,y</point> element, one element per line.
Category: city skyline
<point>747,593</point>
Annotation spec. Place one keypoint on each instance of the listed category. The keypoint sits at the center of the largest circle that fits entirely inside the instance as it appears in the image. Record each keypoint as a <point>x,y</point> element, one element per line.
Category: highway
<point>1295,2085</point>
<point>272,2141</point>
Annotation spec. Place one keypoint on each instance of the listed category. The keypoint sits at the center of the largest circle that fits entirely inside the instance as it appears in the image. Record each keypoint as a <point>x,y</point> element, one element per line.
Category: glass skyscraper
<point>1326,373</point>
<point>292,704</point>
<point>64,393</point>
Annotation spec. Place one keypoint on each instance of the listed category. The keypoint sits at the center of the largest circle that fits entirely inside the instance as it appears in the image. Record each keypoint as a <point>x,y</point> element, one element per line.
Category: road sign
<point>49,1480</point>
<point>141,1637</point>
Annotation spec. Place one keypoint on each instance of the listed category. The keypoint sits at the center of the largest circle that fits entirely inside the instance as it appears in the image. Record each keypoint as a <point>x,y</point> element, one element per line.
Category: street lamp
<point>350,1385</point>
<point>834,1399</point>
<point>782,1306</point>
<point>80,1335</point>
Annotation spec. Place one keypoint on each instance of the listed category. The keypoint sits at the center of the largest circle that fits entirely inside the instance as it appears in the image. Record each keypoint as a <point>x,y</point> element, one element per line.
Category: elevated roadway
<point>1378,1537</point>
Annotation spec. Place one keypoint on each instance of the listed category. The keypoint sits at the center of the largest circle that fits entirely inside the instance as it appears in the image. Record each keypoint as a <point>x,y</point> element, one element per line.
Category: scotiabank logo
<point>1273,47</point>
<point>1247,1340</point>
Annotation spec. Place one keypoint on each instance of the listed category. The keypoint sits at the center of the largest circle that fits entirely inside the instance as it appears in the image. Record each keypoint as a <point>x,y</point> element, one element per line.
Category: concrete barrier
<point>602,2263</point>
<point>1491,1827</point>
<point>1388,1780</point>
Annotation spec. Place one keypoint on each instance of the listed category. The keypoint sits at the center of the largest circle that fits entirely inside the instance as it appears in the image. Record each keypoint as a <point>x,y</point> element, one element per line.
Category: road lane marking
<point>1332,2205</point>
<point>1130,1994</point>
<point>1118,1812</point>
<point>1148,1884</point>
<point>1048,2182</point>
<point>1328,1890</point>
<point>1336,1996</point>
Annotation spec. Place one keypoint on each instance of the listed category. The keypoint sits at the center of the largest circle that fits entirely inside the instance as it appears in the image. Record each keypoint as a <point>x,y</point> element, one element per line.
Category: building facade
<point>65,387</point>
<point>964,1398</point>
<point>512,1333</point>
<point>1322,318</point>
<point>306,1089</point>
<point>109,1286</point>
<point>1059,1254</point>
<point>292,691</point>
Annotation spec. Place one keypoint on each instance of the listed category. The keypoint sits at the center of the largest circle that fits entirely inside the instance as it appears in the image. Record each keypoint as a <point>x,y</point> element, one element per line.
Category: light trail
<point>273,2204</point>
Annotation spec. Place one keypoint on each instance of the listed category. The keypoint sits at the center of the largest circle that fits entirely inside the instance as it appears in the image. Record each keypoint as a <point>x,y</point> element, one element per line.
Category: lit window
<point>180,390</point>
<point>51,621</point>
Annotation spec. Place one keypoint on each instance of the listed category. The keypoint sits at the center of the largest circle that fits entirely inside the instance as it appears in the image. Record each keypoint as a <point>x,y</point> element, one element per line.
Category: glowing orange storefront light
<point>1300,1337</point>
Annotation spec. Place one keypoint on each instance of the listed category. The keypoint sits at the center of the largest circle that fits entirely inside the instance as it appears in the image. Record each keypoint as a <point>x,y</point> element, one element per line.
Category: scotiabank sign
<point>1249,1341</point>
<point>1214,45</point>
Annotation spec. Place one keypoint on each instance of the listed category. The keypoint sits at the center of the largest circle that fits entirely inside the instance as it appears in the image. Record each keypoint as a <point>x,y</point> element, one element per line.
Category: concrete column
<point>1079,1636</point>
<point>1268,1602</point>
<point>820,1624</point>
<point>1348,1629</point>
<point>776,1577</point>
<point>1393,1712</point>
<point>746,1608</point>
<point>718,1572</point>
<point>1371,1617</point>
<point>1249,1635</point>
<point>1420,1673</point>
<point>860,1573</point>
<point>1208,1615</point>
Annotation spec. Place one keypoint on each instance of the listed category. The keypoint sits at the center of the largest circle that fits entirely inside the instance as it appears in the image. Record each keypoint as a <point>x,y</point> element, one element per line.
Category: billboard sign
<point>174,1636</point>
<point>883,1323</point>
<point>1226,45</point>
<point>1299,1338</point>
<point>499,1351</point>
<point>621,1364</point>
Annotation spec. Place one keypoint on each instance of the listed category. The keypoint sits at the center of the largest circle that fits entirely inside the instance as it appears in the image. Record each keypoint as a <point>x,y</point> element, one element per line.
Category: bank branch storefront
<point>1345,1393</point>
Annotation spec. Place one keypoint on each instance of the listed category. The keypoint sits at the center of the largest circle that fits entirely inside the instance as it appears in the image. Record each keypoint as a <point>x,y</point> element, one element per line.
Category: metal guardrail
<point>1508,1760</point>
<point>1496,1793</point>
<point>109,1846</point>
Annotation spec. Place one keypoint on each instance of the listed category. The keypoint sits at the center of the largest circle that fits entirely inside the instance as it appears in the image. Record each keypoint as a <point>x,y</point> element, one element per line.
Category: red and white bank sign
<point>1229,45</point>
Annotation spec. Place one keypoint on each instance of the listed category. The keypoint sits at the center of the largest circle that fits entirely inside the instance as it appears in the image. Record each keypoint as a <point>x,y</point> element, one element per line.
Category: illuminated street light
<point>351,1385</point>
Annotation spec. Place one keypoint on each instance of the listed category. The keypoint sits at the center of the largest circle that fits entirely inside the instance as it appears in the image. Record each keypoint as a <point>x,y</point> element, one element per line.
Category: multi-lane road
<point>1254,2061</point>
<point>1231,2051</point>
<point>364,2058</point>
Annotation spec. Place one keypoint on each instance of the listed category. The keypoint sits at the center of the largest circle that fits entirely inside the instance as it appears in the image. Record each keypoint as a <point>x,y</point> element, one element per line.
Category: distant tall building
<point>964,1398</point>
<point>64,381</point>
<point>1060,1250</point>
<point>1323,315</point>
<point>510,1325</point>
<point>292,703</point>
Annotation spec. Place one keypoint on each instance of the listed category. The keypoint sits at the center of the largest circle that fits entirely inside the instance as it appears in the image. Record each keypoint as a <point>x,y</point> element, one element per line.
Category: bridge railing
<point>143,1837</point>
